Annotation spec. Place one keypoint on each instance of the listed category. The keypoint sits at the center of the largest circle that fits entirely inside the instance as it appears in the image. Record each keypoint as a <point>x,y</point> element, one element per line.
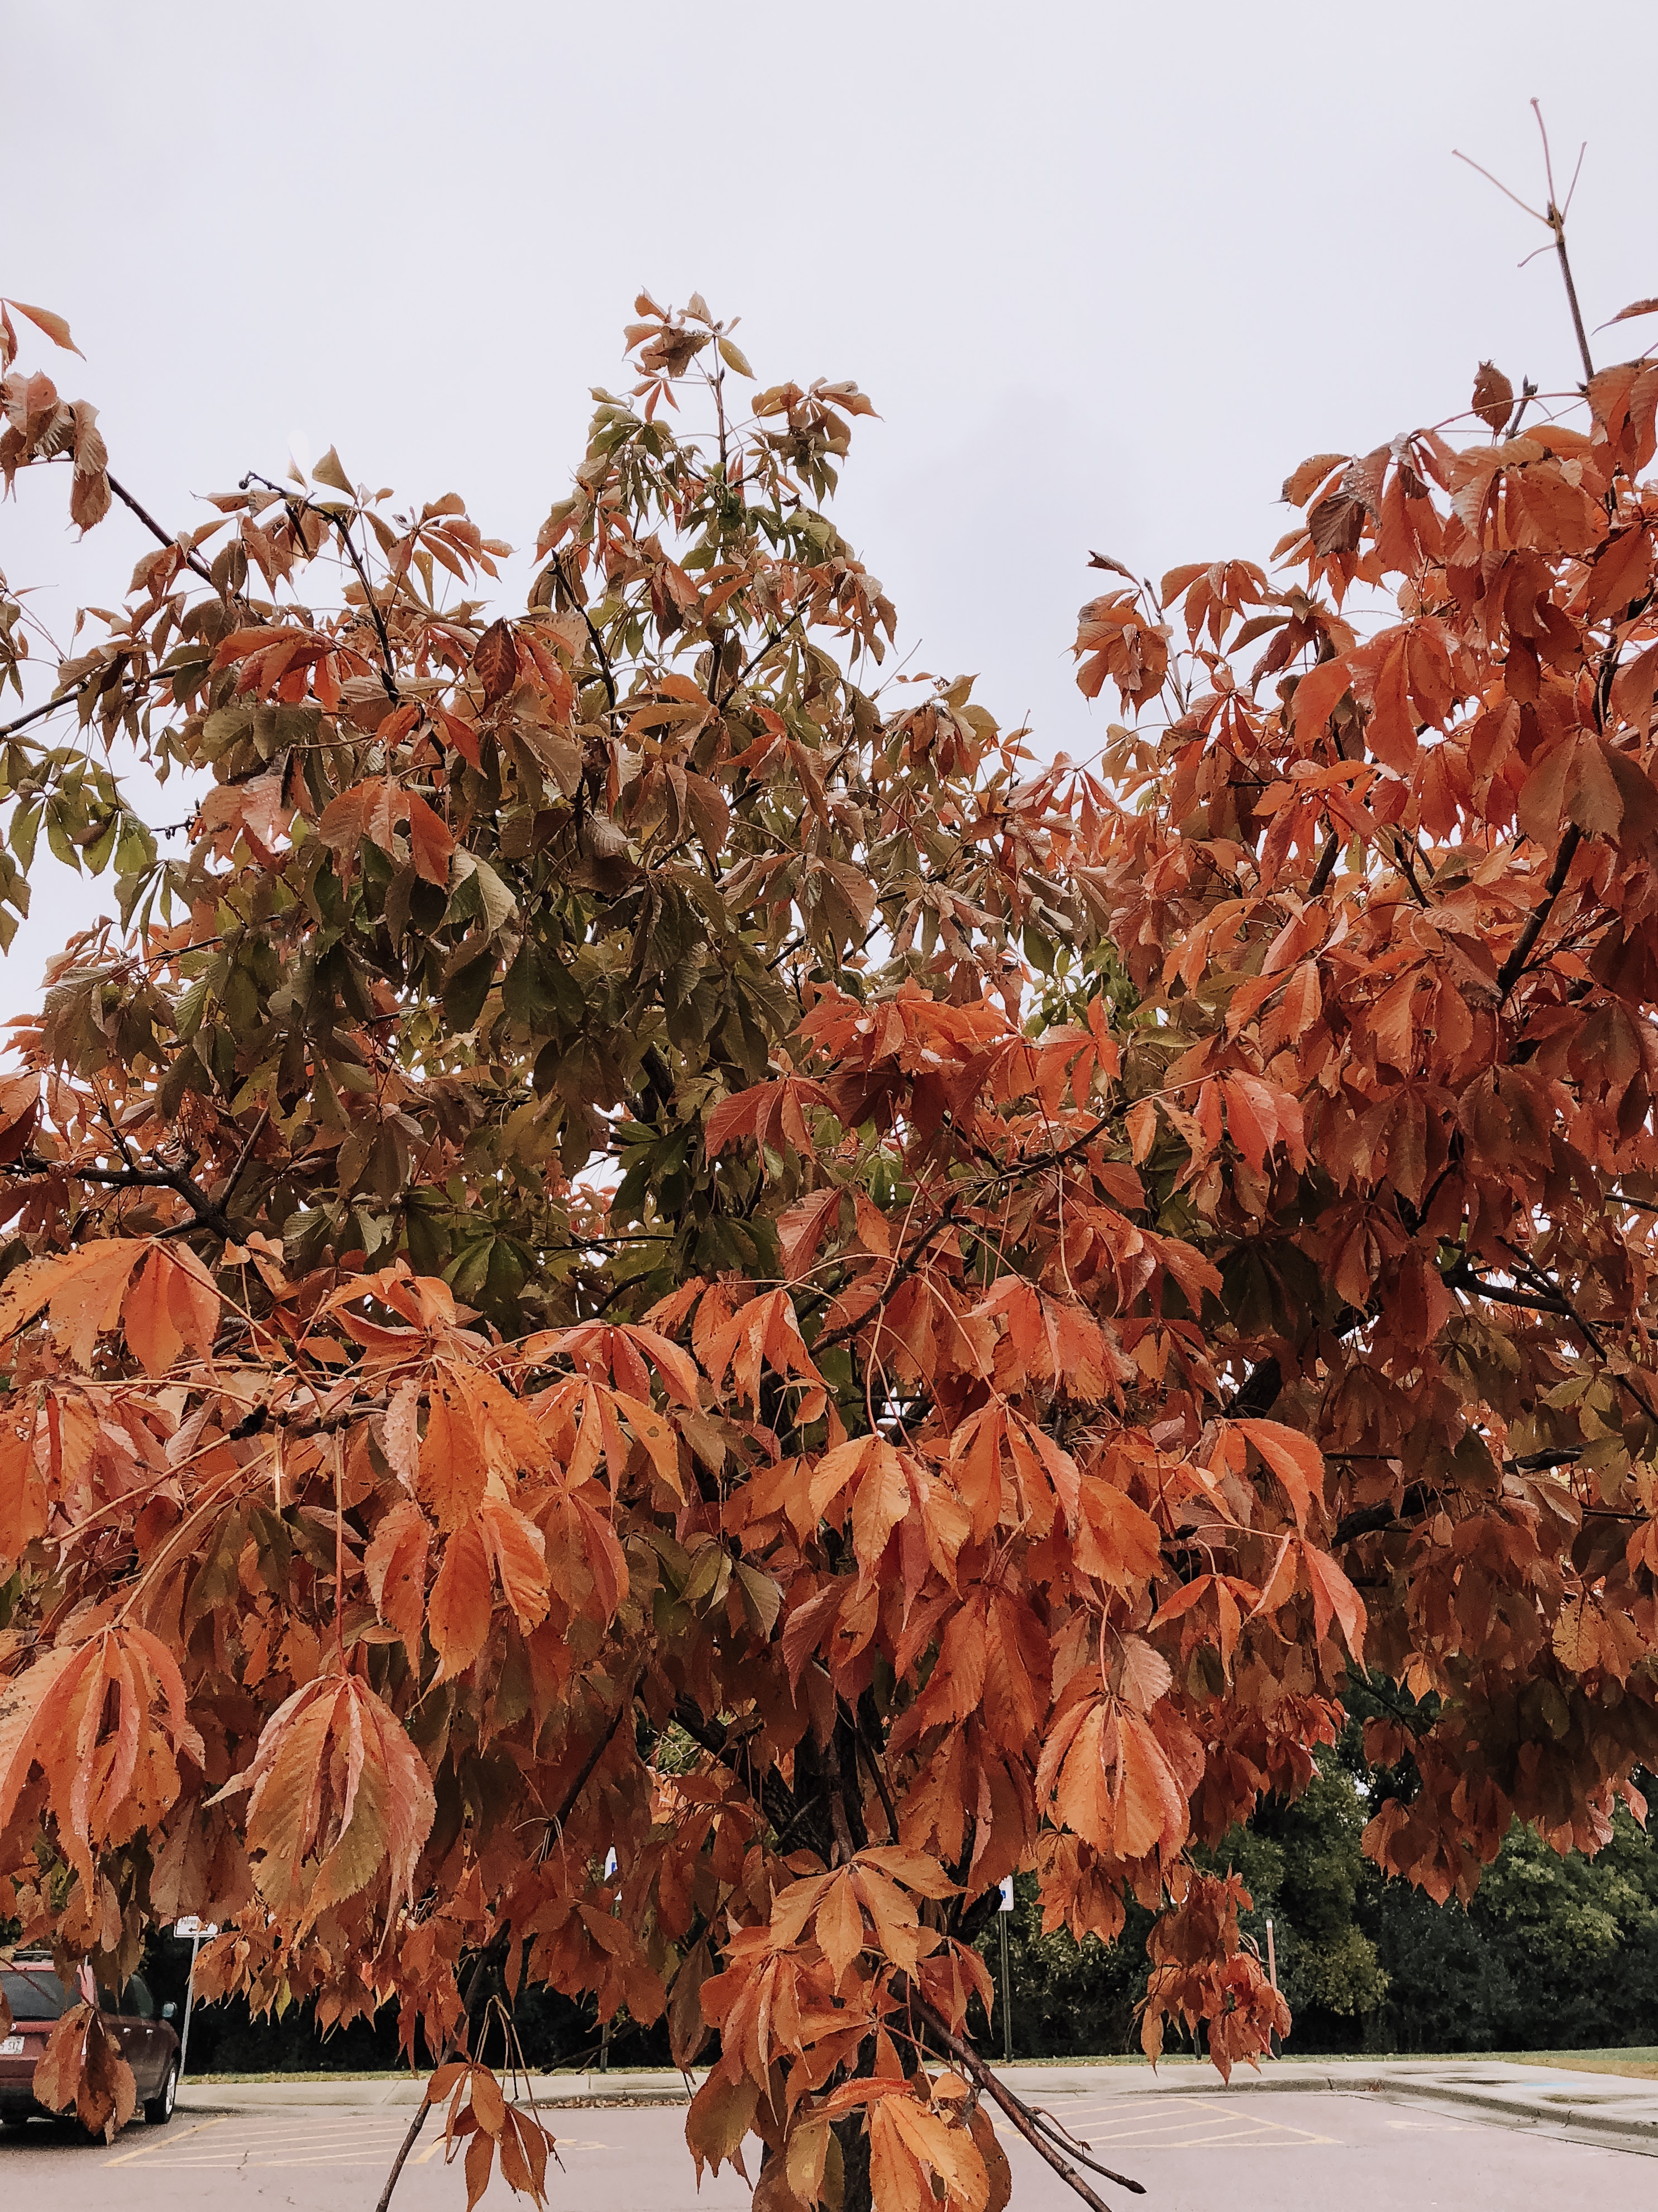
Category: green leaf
<point>494,901</point>
<point>25,829</point>
<point>134,848</point>
<point>57,835</point>
<point>464,993</point>
<point>97,852</point>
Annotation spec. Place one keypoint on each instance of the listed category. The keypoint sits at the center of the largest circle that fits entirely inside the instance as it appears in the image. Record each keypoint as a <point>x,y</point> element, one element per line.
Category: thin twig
<point>593,637</point>
<point>773,637</point>
<point>1557,222</point>
<point>192,560</point>
<point>1457,154</point>
<point>242,1159</point>
<point>292,500</point>
<point>498,1941</point>
<point>901,1273</point>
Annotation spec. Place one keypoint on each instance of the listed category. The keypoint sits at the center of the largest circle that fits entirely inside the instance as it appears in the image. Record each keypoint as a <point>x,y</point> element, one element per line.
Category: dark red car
<point>37,1998</point>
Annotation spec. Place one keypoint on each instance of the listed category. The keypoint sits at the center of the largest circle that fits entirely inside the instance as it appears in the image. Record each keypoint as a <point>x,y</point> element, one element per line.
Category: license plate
<point>11,2047</point>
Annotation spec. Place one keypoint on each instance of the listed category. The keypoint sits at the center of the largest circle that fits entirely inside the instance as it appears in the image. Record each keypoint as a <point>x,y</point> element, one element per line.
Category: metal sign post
<point>1002,1911</point>
<point>198,1931</point>
<point>612,1865</point>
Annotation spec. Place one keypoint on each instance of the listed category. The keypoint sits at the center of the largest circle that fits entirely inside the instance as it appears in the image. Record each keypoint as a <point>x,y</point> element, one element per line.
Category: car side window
<point>136,2000</point>
<point>107,2000</point>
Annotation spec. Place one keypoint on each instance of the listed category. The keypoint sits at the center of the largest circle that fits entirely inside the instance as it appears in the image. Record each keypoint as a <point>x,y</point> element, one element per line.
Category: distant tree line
<point>1554,1954</point>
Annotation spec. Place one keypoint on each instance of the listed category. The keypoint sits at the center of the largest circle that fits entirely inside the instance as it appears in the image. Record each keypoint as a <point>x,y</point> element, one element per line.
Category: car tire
<point>11,2120</point>
<point>158,2109</point>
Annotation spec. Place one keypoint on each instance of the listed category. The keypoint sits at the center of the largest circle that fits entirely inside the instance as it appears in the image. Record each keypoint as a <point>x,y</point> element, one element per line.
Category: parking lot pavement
<point>335,2160</point>
<point>1256,2154</point>
<point>1365,2153</point>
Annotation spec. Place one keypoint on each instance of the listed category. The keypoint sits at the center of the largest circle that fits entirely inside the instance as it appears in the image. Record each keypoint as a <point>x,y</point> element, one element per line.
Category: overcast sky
<point>1108,271</point>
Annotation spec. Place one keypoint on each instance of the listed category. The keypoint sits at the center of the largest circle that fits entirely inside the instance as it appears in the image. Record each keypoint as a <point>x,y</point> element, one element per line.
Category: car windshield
<point>35,1993</point>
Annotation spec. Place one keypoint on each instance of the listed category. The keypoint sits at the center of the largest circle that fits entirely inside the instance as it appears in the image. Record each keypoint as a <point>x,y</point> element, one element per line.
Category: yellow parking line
<point>127,2158</point>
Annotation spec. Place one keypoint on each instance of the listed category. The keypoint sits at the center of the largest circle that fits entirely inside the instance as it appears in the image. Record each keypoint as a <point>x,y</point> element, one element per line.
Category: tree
<point>965,1422</point>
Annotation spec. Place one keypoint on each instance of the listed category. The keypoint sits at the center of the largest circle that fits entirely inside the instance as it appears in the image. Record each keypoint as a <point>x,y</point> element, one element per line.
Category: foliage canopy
<point>649,1247</point>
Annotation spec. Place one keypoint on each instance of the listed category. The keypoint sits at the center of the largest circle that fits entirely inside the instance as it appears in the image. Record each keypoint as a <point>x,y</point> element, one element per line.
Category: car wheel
<point>158,2109</point>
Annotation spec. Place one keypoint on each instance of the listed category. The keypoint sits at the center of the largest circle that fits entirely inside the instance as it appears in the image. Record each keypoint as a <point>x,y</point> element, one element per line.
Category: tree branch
<point>207,1215</point>
<point>67,699</point>
<point>1512,969</point>
<point>901,1273</point>
<point>584,1773</point>
<point>243,1158</point>
<point>714,1737</point>
<point>450,2046</point>
<point>1463,1278</point>
<point>1556,220</point>
<point>498,1943</point>
<point>1366,1520</point>
<point>1326,868</point>
<point>192,560</point>
<point>1029,2123</point>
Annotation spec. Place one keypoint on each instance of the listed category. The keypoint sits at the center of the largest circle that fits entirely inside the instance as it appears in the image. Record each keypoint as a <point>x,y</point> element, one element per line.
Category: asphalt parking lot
<point>1253,2154</point>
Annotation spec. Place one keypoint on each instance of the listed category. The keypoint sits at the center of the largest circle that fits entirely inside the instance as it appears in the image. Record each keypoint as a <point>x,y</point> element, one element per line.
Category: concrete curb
<point>561,2091</point>
<point>1636,2122</point>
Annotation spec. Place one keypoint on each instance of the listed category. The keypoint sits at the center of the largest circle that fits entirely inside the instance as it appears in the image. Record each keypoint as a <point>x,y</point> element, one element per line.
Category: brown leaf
<point>58,329</point>
<point>997,2171</point>
<point>23,1486</point>
<point>331,471</point>
<point>462,1602</point>
<point>1151,1805</point>
<point>718,2120</point>
<point>1493,398</point>
<point>429,841</point>
<point>82,2066</point>
<point>495,662</point>
<point>395,1567</point>
<point>1300,485</point>
<point>1295,1459</point>
<point>1142,1675</point>
<point>1337,522</point>
<point>688,2030</point>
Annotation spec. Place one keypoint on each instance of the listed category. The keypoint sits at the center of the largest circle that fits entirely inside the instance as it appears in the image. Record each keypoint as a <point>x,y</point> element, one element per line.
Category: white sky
<point>1108,271</point>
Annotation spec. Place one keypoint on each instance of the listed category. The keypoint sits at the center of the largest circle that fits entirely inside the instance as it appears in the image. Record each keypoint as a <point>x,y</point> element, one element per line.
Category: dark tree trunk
<point>853,2137</point>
